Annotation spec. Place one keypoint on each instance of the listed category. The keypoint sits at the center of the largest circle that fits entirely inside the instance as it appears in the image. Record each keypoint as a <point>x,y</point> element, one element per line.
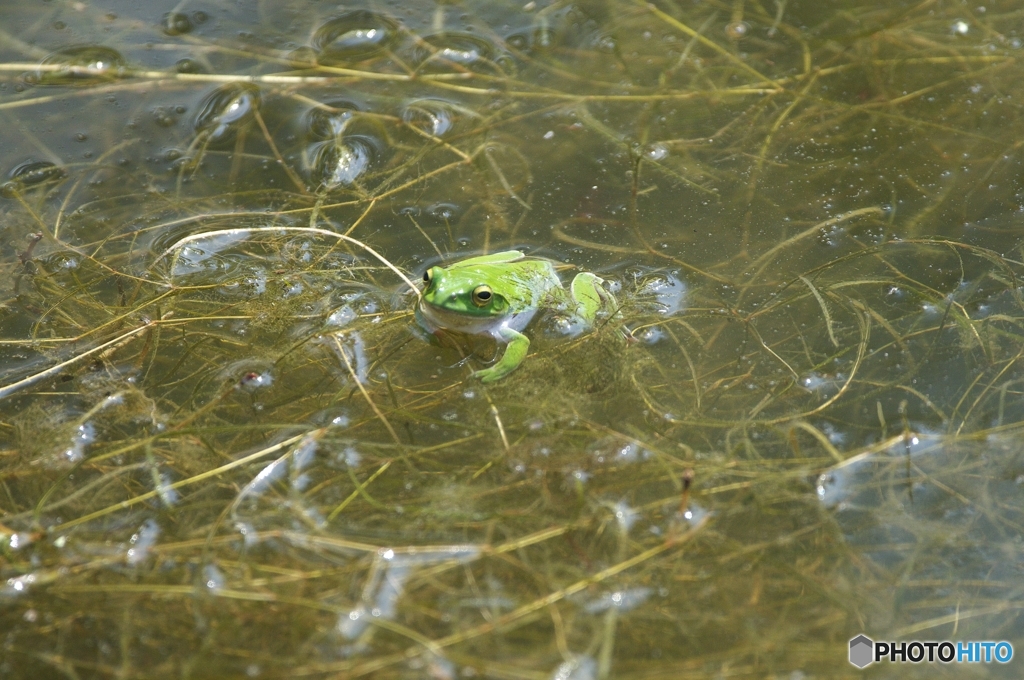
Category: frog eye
<point>482,295</point>
<point>428,276</point>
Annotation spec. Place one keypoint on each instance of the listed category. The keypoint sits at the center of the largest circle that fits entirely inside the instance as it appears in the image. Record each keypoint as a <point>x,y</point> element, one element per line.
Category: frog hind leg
<point>515,352</point>
<point>591,298</point>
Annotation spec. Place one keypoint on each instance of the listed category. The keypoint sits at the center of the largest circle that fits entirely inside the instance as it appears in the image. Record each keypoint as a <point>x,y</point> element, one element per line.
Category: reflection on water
<point>225,450</point>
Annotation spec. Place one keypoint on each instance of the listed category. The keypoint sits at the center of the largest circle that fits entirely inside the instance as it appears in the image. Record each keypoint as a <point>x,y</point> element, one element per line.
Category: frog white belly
<point>436,318</point>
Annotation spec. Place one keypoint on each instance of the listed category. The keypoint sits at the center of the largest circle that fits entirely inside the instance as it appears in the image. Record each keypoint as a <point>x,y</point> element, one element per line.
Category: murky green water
<point>225,453</point>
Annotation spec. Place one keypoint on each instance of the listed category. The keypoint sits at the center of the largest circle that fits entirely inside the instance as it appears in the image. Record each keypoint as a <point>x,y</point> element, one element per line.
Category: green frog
<point>499,294</point>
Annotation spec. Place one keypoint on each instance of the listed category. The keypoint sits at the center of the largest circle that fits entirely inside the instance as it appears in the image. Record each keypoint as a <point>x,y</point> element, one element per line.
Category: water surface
<point>225,453</point>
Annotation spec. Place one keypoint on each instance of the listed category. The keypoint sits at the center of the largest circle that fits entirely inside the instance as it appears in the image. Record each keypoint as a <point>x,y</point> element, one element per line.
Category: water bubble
<point>36,172</point>
<point>461,50</point>
<point>17,541</point>
<point>831,237</point>
<point>141,542</point>
<point>518,42</point>
<point>443,211</point>
<point>213,578</point>
<point>254,380</point>
<point>605,43</point>
<point>349,457</point>
<point>341,162</point>
<point>737,29</point>
<point>18,585</point>
<point>580,668</point>
<point>655,152</point>
<point>81,64</point>
<point>187,66</point>
<point>579,476</point>
<point>208,257</point>
<point>354,36</point>
<point>168,496</point>
<point>433,116</point>
<point>960,28</point>
<point>668,291</point>
<point>623,600</point>
<point>625,515</point>
<point>330,120</point>
<point>822,384</point>
<point>341,317</point>
<point>227,110</point>
<point>176,23</point>
<point>82,436</point>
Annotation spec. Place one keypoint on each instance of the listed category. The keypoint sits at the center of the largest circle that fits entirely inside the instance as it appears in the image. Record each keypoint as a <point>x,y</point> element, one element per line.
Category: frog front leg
<point>591,298</point>
<point>515,352</point>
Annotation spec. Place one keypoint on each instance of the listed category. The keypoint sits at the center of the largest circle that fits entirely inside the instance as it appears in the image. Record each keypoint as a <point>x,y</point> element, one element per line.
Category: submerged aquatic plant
<point>223,450</point>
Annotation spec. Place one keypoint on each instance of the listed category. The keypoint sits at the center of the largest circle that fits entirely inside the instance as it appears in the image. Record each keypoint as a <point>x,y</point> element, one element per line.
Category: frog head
<point>481,287</point>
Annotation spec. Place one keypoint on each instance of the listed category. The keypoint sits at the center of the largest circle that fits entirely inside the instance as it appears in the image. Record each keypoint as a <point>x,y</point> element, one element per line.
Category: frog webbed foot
<point>515,352</point>
<point>591,298</point>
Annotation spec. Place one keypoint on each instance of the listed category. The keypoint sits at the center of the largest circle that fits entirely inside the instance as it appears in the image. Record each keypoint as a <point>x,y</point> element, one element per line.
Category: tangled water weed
<point>225,451</point>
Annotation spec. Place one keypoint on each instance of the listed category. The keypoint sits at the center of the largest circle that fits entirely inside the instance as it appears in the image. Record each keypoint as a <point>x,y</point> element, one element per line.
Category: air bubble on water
<point>387,583</point>
<point>436,117</point>
<point>168,495</point>
<point>579,668</point>
<point>623,600</point>
<point>331,119</point>
<point>823,385</point>
<point>176,23</point>
<point>18,585</point>
<point>141,542</point>
<point>464,49</point>
<point>18,540</point>
<point>227,110</point>
<point>668,290</point>
<point>655,152</point>
<point>694,513</point>
<point>960,28</point>
<point>350,457</point>
<point>354,36</point>
<point>250,536</point>
<point>254,380</point>
<point>579,476</point>
<point>83,435</point>
<point>625,515</point>
<point>204,255</point>
<point>341,162</point>
<point>354,348</point>
<point>443,211</point>
<point>213,578</point>
<point>257,283</point>
<point>305,452</point>
<point>270,473</point>
<point>81,64</point>
<point>341,317</point>
<point>36,172</point>
<point>737,29</point>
